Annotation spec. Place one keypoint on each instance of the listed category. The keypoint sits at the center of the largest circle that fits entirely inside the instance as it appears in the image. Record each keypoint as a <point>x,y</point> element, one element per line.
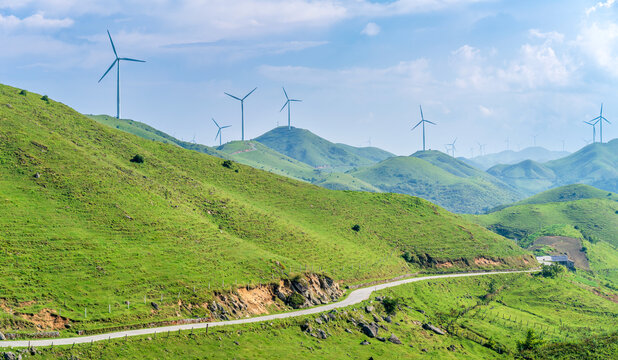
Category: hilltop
<point>568,193</point>
<point>87,224</point>
<point>304,146</point>
<point>529,176</point>
<point>508,157</point>
<point>441,179</point>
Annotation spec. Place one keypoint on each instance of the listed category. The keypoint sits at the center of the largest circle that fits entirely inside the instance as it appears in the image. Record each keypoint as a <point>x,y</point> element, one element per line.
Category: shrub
<point>390,305</point>
<point>227,164</point>
<point>552,271</point>
<point>296,300</point>
<point>45,98</point>
<point>531,342</point>
<point>138,159</point>
<point>356,228</point>
<point>23,93</point>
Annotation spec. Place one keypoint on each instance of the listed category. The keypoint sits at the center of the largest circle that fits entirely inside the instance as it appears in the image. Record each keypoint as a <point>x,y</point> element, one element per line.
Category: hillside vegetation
<point>484,318</point>
<point>87,226</point>
<point>508,157</point>
<point>441,179</point>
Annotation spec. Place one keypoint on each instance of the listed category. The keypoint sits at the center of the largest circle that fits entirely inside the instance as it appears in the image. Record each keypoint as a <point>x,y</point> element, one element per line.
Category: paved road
<point>354,297</point>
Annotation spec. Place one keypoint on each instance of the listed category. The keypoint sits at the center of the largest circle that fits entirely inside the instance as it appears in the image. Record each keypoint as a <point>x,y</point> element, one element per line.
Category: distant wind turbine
<point>242,110</point>
<point>451,147</point>
<point>219,132</point>
<point>599,120</point>
<point>288,103</point>
<point>423,121</point>
<point>481,148</point>
<point>594,130</point>
<point>507,143</point>
<point>117,63</point>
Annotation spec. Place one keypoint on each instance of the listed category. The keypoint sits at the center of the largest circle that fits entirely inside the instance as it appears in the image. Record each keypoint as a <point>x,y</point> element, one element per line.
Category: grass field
<point>484,318</point>
<point>84,229</point>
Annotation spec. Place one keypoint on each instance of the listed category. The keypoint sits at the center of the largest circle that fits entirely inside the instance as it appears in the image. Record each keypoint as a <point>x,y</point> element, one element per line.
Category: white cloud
<point>485,111</point>
<point>548,36</point>
<point>535,67</point>
<point>371,29</point>
<point>36,21</point>
<point>600,42</point>
<point>607,4</point>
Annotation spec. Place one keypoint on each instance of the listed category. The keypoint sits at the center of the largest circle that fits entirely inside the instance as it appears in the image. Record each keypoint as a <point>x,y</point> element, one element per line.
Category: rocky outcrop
<point>299,292</point>
<point>370,330</point>
<point>435,329</point>
<point>394,339</point>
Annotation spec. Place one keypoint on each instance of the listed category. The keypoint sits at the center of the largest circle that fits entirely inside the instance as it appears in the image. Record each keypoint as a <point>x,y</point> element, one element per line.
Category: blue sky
<point>484,71</point>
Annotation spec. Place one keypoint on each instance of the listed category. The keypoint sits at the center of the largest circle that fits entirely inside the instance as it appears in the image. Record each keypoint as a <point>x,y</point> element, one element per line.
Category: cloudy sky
<point>484,71</point>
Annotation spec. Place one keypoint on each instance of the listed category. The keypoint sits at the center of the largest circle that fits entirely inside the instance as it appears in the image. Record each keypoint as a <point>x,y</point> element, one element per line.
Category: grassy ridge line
<point>95,229</point>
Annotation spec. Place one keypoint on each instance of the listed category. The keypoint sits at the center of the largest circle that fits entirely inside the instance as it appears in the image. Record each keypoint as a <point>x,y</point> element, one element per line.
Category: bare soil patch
<point>564,245</point>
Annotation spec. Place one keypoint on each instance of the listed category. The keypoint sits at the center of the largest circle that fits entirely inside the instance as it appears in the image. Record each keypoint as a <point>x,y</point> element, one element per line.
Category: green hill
<point>569,193</point>
<point>441,179</point>
<point>148,132</point>
<point>529,176</point>
<point>304,146</point>
<point>86,225</point>
<point>593,220</point>
<point>509,157</point>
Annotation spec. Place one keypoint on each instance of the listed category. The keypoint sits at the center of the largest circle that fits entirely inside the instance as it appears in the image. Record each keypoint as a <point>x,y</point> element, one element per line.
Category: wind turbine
<point>287,103</point>
<point>117,63</point>
<point>481,148</point>
<point>594,130</point>
<point>242,110</point>
<point>599,120</point>
<point>451,147</point>
<point>219,132</point>
<point>423,121</point>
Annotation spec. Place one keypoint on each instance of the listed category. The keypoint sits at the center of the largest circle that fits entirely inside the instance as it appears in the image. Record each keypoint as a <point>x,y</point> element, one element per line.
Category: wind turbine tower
<point>219,132</point>
<point>451,148</point>
<point>599,120</point>
<point>423,121</point>
<point>117,63</point>
<point>288,103</point>
<point>242,110</point>
<point>594,130</point>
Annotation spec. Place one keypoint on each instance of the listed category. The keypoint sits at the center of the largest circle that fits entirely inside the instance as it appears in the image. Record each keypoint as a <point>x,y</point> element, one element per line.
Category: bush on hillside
<point>390,305</point>
<point>356,228</point>
<point>137,159</point>
<point>531,342</point>
<point>45,98</point>
<point>227,164</point>
<point>552,271</point>
<point>296,300</point>
<point>23,93</point>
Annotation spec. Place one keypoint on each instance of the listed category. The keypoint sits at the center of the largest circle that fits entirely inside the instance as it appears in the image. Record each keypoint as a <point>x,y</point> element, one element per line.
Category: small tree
<point>531,342</point>
<point>227,164</point>
<point>356,228</point>
<point>390,305</point>
<point>45,98</point>
<point>137,159</point>
<point>552,271</point>
<point>23,93</point>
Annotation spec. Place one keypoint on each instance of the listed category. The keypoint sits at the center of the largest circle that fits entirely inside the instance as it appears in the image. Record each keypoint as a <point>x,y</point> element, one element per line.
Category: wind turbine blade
<point>218,133</point>
<point>213,120</point>
<point>454,141</point>
<point>601,113</point>
<point>129,59</point>
<point>110,67</point>
<point>226,126</point>
<point>607,121</point>
<point>251,92</point>
<point>112,41</point>
<point>431,122</point>
<point>239,99</point>
<point>415,126</point>
<point>296,100</point>
<point>284,105</point>
<point>420,107</point>
<point>286,94</point>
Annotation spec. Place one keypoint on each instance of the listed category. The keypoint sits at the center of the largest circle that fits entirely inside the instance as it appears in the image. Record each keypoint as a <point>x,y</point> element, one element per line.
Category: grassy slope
<point>569,193</point>
<point>148,132</point>
<point>529,176</point>
<point>451,183</point>
<point>479,311</point>
<point>304,146</point>
<point>95,229</point>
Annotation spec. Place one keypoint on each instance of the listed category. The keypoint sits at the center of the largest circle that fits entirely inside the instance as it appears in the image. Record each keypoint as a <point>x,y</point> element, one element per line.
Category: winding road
<point>353,298</point>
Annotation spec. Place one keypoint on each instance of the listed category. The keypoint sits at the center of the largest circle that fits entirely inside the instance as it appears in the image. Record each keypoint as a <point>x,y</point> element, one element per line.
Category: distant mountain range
<point>535,153</point>
<point>452,183</point>
<point>595,164</point>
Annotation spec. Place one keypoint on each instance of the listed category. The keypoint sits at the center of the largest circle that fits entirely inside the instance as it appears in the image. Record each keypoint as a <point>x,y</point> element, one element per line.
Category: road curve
<point>354,297</point>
